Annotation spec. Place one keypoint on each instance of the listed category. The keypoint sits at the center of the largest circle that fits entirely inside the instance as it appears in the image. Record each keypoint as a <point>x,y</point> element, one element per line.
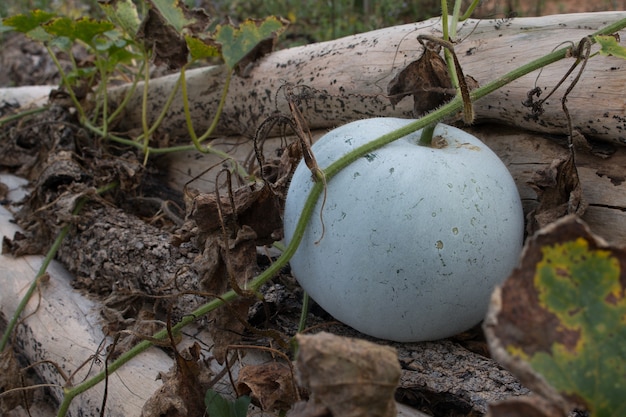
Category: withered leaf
<point>221,264</point>
<point>427,79</point>
<point>166,41</point>
<point>351,377</point>
<point>270,385</point>
<point>9,379</point>
<point>4,191</point>
<point>557,321</point>
<point>255,206</point>
<point>168,47</point>
<point>183,389</point>
<point>559,192</point>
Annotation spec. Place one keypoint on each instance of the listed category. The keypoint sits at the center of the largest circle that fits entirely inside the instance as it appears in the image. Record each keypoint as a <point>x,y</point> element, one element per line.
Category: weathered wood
<point>347,79</point>
<point>62,325</point>
<point>603,177</point>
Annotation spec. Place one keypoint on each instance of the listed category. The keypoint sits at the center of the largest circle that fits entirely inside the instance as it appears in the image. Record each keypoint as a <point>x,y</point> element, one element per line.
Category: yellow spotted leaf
<point>609,45</point>
<point>563,312</point>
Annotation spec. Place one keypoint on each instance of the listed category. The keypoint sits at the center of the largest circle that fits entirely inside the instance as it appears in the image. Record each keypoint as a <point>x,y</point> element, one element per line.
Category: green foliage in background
<point>331,19</point>
<point>311,21</point>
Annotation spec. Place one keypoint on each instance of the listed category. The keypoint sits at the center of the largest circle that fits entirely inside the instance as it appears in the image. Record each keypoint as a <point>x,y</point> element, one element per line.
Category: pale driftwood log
<point>63,326</point>
<point>26,96</point>
<point>603,178</point>
<point>348,79</point>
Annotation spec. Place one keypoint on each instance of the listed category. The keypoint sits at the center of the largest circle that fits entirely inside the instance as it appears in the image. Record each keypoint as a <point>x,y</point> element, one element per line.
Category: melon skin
<point>415,237</point>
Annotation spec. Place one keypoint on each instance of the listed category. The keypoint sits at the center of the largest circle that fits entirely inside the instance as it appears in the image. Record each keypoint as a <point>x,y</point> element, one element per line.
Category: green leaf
<point>218,406</point>
<point>123,13</point>
<point>30,24</point>
<point>610,46</point>
<point>239,42</point>
<point>173,13</point>
<point>24,23</point>
<point>84,29</point>
<point>200,49</point>
<point>581,287</point>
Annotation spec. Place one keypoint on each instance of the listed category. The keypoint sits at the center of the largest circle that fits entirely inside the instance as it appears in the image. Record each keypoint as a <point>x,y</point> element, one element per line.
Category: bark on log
<point>347,79</point>
<point>65,327</point>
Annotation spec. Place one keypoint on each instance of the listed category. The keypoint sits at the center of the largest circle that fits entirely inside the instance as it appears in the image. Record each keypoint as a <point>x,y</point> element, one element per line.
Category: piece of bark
<point>447,378</point>
<point>117,255</point>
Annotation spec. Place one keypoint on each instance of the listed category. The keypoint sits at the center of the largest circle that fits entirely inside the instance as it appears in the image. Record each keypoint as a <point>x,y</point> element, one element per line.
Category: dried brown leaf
<point>9,379</point>
<point>427,79</point>
<point>559,193</point>
<point>224,262</point>
<point>169,46</point>
<point>255,206</point>
<point>183,389</point>
<point>351,377</point>
<point>270,385</point>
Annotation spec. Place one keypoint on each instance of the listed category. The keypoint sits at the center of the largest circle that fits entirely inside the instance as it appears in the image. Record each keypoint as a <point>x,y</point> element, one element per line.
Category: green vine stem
<point>42,270</point>
<point>118,110</point>
<point>10,118</point>
<point>197,141</point>
<point>65,81</point>
<point>144,114</point>
<point>469,10</point>
<point>426,137</point>
<point>105,97</point>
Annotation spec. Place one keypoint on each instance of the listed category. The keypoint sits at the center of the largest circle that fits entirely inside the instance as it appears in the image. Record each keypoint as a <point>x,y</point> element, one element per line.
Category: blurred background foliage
<point>315,21</point>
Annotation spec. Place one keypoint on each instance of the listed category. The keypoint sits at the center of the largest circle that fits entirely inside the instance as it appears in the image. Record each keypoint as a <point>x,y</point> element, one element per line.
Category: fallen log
<point>64,327</point>
<point>347,79</point>
<point>601,171</point>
